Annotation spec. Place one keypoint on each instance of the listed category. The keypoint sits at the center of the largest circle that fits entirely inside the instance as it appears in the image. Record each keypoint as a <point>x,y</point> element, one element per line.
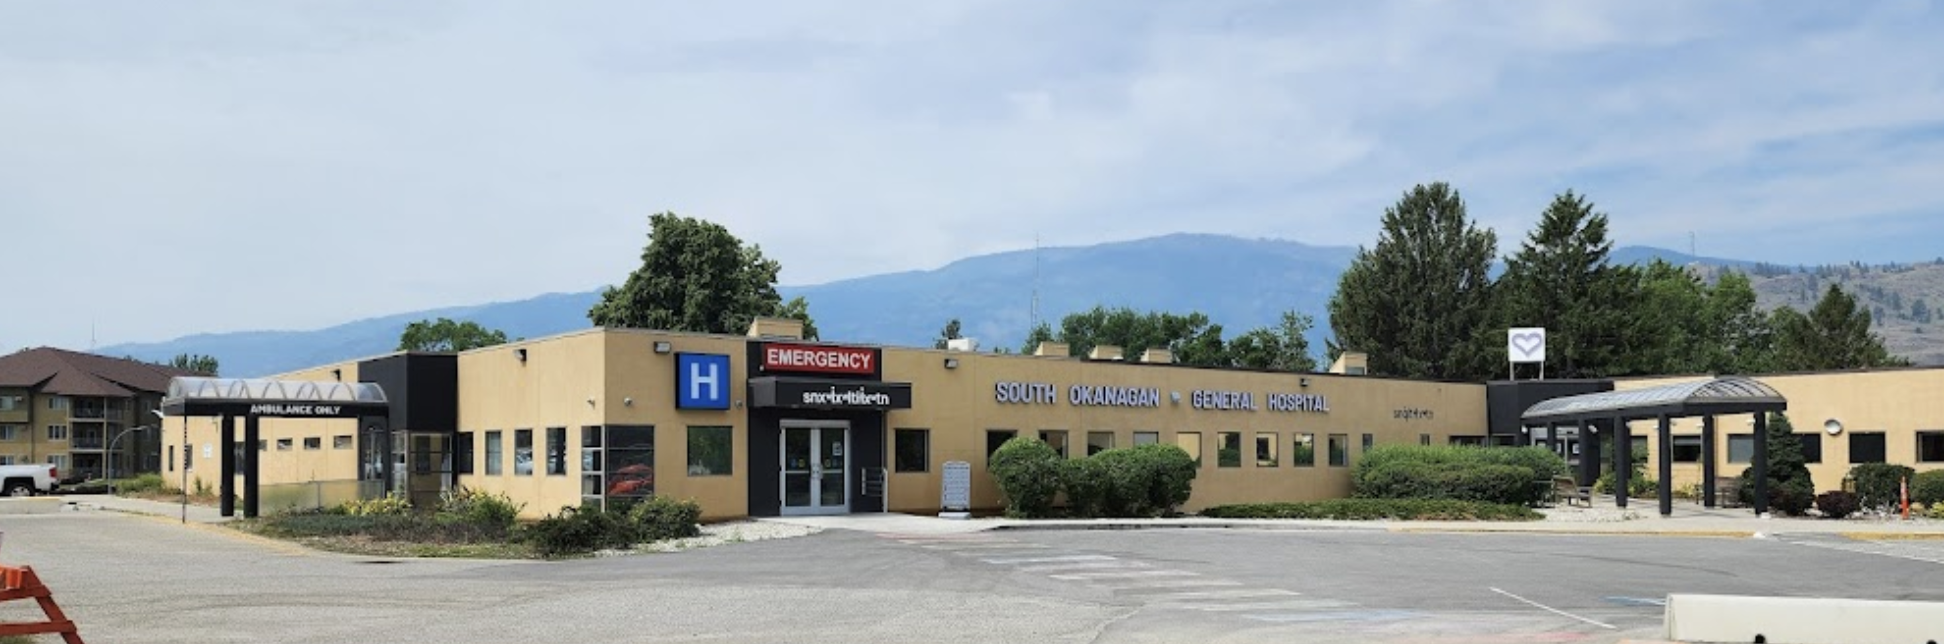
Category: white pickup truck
<point>29,480</point>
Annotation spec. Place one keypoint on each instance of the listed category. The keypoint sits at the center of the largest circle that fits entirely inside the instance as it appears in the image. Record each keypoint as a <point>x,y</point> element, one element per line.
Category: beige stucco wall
<point>1899,403</point>
<point>274,466</point>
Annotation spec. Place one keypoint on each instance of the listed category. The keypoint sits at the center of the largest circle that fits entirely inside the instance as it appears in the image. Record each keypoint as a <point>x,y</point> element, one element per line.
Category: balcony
<point>87,412</point>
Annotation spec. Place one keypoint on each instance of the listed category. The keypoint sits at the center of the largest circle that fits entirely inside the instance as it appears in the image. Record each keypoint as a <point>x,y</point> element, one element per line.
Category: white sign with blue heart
<point>1526,345</point>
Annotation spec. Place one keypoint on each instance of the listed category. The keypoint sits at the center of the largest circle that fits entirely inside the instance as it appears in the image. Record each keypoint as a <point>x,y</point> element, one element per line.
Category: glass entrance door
<point>815,460</point>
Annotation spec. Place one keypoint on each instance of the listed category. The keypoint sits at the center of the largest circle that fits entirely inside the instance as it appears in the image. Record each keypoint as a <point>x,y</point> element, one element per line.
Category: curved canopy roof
<point>211,396</point>
<point>1716,397</point>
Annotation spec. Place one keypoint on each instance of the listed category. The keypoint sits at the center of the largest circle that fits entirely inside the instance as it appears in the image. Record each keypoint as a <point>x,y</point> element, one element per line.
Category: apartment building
<point>76,410</point>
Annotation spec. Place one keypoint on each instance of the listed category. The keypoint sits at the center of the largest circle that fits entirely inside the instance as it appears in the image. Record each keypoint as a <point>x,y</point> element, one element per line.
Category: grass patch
<point>1377,509</point>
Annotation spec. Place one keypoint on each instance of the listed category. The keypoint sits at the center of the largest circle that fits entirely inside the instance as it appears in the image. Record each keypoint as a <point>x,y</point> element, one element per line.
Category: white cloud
<point>296,166</point>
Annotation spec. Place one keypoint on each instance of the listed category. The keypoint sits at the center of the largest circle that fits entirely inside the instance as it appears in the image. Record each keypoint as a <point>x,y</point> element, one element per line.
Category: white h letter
<point>696,380</point>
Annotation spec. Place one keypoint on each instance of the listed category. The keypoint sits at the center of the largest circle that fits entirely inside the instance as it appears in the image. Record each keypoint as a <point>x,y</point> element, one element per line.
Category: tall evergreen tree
<point>1560,280</point>
<point>1834,335</point>
<point>1743,341</point>
<point>1419,302</point>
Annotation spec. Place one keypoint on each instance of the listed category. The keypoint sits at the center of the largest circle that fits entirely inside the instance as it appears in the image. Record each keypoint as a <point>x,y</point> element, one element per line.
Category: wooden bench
<point>1727,492</point>
<point>1564,487</point>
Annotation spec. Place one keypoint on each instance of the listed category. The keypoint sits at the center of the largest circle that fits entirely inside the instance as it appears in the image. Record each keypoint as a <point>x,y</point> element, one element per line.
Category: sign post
<point>1526,345</point>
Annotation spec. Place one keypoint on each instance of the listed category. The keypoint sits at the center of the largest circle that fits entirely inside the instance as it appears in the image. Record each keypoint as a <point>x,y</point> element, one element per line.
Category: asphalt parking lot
<point>130,578</point>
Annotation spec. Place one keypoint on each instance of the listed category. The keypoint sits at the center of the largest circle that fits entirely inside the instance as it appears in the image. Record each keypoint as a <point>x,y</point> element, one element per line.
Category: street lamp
<point>111,453</point>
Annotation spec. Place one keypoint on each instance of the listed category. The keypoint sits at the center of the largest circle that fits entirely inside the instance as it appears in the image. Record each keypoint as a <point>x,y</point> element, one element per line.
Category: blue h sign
<point>701,381</point>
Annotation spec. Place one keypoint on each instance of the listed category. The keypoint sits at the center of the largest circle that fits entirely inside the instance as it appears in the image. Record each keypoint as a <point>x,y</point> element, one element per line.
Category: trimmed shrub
<point>1086,484</point>
<point>1836,504</point>
<point>1638,486</point>
<point>1375,509</point>
<point>389,505</point>
<point>576,531</point>
<point>1792,490</point>
<point>1927,487</point>
<point>1028,472</point>
<point>661,517</point>
<point>1879,486</point>
<point>1936,511</point>
<point>1488,474</point>
<point>483,508</point>
<point>145,484</point>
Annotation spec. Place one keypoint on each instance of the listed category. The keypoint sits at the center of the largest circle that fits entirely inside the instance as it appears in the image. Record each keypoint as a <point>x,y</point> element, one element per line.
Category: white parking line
<point>1244,593</point>
<point>1085,565</point>
<point>1037,560</point>
<point>1555,611</point>
<point>1295,604</point>
<point>988,546</point>
<point>1090,576</point>
<point>1164,584</point>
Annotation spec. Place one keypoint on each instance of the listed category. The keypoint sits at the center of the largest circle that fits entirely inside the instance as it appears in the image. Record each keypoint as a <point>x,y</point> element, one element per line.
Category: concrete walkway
<point>1687,520</point>
<point>98,502</point>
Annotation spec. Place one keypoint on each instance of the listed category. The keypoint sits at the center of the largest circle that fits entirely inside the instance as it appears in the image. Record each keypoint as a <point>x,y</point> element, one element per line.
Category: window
<point>1741,448</point>
<point>591,442</point>
<point>262,446</point>
<point>10,432</point>
<point>341,441</point>
<point>314,442</point>
<point>1811,447</point>
<point>1930,446</point>
<point>1369,441</point>
<point>1866,447</point>
<point>1056,439</point>
<point>912,451</point>
<point>1098,442</point>
<point>1190,442</point>
<point>172,458</point>
<point>1265,450</point>
<point>1228,449</point>
<point>556,451</point>
<point>1687,449</point>
<point>1424,439</point>
<point>57,402</point>
<point>523,452</point>
<point>59,461</point>
<point>11,403</point>
<point>995,438</point>
<point>1146,438</point>
<point>57,432</point>
<point>8,459</point>
<point>1302,452</point>
<point>283,444</point>
<point>1339,450</point>
<point>462,453</point>
<point>1466,441</point>
<point>630,455</point>
<point>710,451</point>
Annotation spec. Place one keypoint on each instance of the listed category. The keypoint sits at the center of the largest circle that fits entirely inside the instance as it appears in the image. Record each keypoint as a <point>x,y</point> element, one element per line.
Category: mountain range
<point>1239,283</point>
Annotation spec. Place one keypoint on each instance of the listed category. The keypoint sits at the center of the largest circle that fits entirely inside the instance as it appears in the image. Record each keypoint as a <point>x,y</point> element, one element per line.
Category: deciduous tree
<point>445,334</point>
<point>196,363</point>
<point>695,276</point>
<point>1280,348</point>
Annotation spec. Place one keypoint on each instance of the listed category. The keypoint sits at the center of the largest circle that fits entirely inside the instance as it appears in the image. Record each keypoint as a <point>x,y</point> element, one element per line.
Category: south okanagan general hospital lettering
<point>858,397</point>
<point>1090,396</point>
<point>1045,393</point>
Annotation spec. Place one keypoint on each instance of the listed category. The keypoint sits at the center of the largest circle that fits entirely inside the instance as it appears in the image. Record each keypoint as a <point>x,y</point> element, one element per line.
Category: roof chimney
<point>1053,349</point>
<point>1157,356</point>
<point>1104,352</point>
<point>779,328</point>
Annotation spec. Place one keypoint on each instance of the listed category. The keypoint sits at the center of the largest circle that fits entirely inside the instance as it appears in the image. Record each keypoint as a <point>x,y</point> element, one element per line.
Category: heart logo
<point>1528,343</point>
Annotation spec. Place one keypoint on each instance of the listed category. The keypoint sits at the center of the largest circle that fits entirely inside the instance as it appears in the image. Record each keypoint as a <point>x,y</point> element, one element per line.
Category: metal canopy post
<point>1761,463</point>
<point>1589,460</point>
<point>252,433</point>
<point>226,459</point>
<point>1708,461</point>
<point>1622,461</point>
<point>1666,458</point>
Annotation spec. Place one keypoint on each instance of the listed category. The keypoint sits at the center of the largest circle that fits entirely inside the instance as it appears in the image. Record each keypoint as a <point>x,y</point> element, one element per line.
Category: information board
<point>957,488</point>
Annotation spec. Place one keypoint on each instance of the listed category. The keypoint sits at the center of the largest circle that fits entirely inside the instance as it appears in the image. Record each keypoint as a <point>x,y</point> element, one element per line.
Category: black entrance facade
<point>817,428</point>
<point>253,400</point>
<point>1706,398</point>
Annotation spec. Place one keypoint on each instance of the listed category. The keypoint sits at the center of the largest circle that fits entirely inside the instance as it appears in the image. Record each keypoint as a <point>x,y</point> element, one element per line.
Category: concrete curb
<point>1226,525</point>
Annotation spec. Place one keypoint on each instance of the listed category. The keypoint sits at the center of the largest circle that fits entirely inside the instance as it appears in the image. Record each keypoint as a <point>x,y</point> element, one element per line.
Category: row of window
<point>911,448</point>
<point>59,461</point>
<point>17,432</point>
<point>1864,447</point>
<point>711,449</point>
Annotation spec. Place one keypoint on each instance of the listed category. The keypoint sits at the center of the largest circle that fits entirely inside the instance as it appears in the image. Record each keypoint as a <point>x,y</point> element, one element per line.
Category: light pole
<point>111,453</point>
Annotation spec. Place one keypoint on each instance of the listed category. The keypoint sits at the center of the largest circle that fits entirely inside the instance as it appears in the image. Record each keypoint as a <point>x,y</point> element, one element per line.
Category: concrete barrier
<point>1802,620</point>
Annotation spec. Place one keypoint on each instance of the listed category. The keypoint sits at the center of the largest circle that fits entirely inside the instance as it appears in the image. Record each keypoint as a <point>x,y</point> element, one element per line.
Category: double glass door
<point>816,457</point>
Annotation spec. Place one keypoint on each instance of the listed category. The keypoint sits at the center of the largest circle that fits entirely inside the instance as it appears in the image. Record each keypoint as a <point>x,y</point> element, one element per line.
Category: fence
<point>316,494</point>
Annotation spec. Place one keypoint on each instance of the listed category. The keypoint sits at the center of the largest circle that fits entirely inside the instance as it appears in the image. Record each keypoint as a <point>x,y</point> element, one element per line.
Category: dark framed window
<point>314,442</point>
<point>1228,449</point>
<point>556,451</point>
<point>1339,450</point>
<point>996,438</point>
<point>711,451</point>
<point>1741,448</point>
<point>1811,446</point>
<point>1930,446</point>
<point>1098,442</point>
<point>911,451</point>
<point>1265,450</point>
<point>630,454</point>
<point>591,440</point>
<point>523,452</point>
<point>1369,441</point>
<point>1866,447</point>
<point>1302,452</point>
<point>462,453</point>
<point>1687,449</point>
<point>283,444</point>
<point>341,441</point>
<point>1424,439</point>
<point>1146,438</point>
<point>1056,439</point>
<point>495,454</point>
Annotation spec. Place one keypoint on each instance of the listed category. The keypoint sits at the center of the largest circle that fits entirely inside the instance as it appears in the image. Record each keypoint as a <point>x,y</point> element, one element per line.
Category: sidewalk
<point>96,502</point>
<point>1688,519</point>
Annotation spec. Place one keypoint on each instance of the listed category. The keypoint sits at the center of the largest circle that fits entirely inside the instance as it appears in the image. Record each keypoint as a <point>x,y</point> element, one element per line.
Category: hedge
<point>1140,481</point>
<point>1374,509</point>
<point>1503,475</point>
<point>1879,486</point>
<point>1927,487</point>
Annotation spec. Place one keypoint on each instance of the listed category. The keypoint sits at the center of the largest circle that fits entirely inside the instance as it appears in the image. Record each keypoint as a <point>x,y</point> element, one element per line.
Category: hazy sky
<point>172,168</point>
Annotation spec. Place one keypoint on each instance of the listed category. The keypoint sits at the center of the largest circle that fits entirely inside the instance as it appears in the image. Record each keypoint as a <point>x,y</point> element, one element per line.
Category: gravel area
<point>717,534</point>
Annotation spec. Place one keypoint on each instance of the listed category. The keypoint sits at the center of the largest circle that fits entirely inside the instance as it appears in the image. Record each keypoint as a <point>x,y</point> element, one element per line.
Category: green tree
<point>797,309</point>
<point>1920,311</point>
<point>694,276</point>
<point>196,363</point>
<point>948,334</point>
<point>1420,301</point>
<point>1281,348</point>
<point>445,334</point>
<point>1666,332</point>
<point>1041,332</point>
<point>1192,338</point>
<point>1835,334</point>
<point>1560,279</point>
<point>1743,342</point>
<point>1791,489</point>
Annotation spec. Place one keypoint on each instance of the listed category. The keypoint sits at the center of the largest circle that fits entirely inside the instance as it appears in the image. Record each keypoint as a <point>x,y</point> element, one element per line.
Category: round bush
<point>1879,486</point>
<point>1927,487</point>
<point>1028,472</point>
<point>1836,504</point>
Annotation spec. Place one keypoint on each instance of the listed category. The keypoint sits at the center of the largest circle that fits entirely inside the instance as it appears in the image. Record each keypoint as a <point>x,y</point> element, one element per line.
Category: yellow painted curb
<point>1727,534</point>
<point>1893,536</point>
